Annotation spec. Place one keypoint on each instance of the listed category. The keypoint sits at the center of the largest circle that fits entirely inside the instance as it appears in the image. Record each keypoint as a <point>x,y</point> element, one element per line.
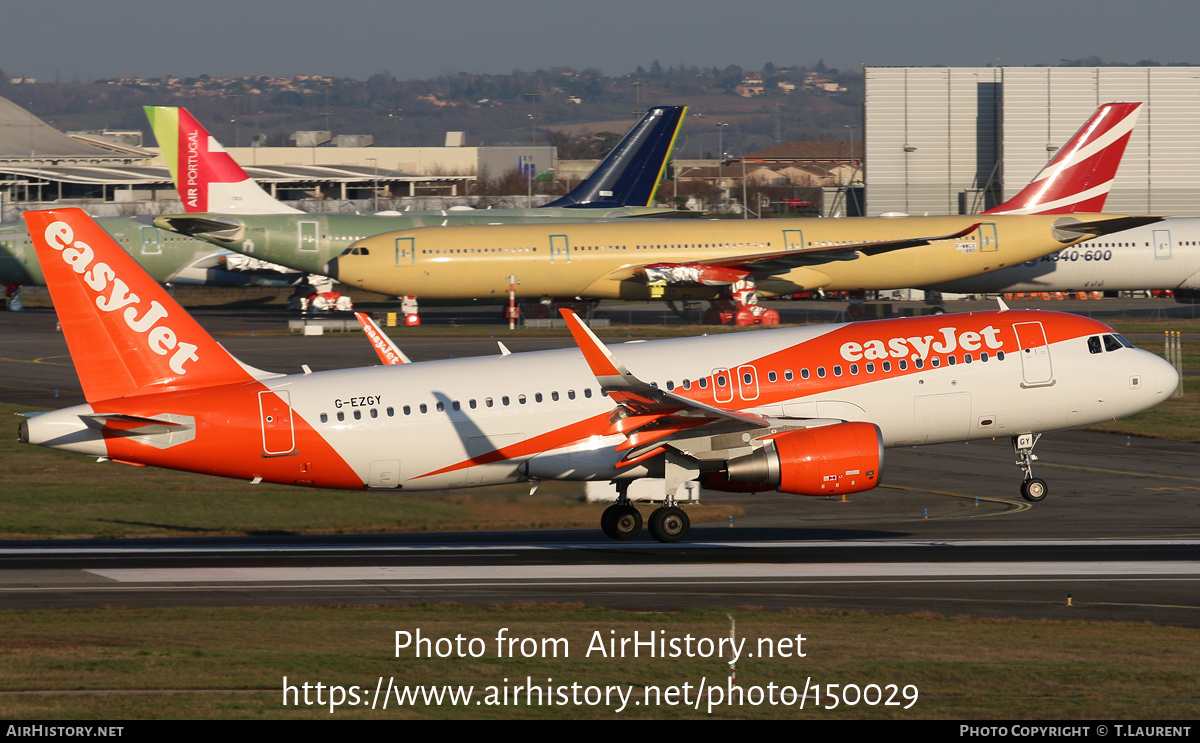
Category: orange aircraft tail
<point>126,335</point>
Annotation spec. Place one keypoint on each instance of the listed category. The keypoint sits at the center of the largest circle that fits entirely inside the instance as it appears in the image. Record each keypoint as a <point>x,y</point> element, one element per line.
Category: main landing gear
<point>623,522</point>
<point>1033,489</point>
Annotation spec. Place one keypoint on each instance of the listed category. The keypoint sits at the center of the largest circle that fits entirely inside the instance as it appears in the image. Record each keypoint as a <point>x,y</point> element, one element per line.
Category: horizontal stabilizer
<point>132,425</point>
<point>1103,226</point>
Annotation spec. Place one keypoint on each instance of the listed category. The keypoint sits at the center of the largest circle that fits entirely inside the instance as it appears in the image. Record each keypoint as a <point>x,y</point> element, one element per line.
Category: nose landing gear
<point>1033,489</point>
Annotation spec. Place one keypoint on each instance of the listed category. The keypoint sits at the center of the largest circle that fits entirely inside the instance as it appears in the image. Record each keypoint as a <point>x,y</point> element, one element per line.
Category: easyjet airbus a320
<point>806,411</point>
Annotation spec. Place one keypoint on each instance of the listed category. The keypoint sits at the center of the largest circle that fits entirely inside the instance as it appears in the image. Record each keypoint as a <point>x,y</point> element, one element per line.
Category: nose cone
<point>330,269</point>
<point>1161,378</point>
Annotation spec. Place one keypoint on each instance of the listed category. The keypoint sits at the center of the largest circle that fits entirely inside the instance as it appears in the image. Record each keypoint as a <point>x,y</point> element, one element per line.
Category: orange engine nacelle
<point>842,458</point>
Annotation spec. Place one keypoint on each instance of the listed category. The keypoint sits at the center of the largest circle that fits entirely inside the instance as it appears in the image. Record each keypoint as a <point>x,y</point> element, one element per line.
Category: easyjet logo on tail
<point>920,346</point>
<point>114,295</point>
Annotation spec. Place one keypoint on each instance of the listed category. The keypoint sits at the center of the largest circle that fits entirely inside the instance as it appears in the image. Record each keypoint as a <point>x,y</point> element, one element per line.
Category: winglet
<point>626,389</point>
<point>599,359</point>
<point>630,175</point>
<point>1080,175</point>
<point>389,353</point>
<point>207,178</point>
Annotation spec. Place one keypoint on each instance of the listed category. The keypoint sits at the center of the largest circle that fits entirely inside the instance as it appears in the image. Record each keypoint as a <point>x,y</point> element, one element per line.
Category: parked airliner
<point>676,259</point>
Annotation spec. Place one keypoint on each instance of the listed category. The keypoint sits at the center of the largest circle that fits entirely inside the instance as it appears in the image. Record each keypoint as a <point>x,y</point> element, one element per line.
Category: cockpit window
<point>1123,341</point>
<point>1094,344</point>
<point>1111,343</point>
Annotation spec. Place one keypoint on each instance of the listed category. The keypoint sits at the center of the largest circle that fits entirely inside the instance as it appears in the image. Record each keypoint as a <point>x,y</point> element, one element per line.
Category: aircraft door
<point>747,380</point>
<point>150,241</point>
<point>406,251</point>
<point>560,249</point>
<point>793,239</point>
<point>989,242</point>
<point>1035,354</point>
<point>307,237</point>
<point>275,413</point>
<point>1162,244</point>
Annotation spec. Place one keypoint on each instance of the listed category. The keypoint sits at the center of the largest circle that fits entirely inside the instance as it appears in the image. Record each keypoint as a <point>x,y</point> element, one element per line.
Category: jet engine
<point>842,458</point>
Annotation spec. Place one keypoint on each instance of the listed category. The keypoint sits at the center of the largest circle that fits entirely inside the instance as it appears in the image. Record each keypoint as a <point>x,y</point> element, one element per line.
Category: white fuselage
<point>1164,255</point>
<point>530,416</point>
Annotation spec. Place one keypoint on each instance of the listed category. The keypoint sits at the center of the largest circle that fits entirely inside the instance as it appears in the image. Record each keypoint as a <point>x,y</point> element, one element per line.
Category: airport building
<point>112,173</point>
<point>958,140</point>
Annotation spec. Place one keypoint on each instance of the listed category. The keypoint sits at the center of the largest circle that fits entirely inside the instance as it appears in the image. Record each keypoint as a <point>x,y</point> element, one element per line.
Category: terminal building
<point>111,173</point>
<point>958,140</point>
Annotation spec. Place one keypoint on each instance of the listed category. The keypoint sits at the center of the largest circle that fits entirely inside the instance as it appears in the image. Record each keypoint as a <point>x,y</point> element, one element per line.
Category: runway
<point>1118,538</point>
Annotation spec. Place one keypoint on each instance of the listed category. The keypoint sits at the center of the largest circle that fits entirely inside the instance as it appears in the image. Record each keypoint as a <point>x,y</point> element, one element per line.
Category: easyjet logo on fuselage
<point>951,339</point>
<point>99,276</point>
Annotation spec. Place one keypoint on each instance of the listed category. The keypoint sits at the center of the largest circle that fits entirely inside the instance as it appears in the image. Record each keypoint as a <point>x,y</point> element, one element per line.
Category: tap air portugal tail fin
<point>126,335</point>
<point>1080,175</point>
<point>207,178</point>
<point>630,174</point>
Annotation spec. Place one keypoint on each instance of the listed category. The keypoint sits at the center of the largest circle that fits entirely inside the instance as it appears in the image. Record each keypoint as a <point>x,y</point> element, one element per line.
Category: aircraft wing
<point>781,261</point>
<point>650,417</point>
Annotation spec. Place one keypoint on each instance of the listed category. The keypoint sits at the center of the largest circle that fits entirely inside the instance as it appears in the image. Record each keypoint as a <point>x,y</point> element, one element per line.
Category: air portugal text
<point>160,337</point>
<point>919,346</point>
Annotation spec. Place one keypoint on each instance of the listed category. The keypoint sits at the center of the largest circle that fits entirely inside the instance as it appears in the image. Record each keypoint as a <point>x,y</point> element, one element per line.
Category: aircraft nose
<point>1161,376</point>
<point>331,269</point>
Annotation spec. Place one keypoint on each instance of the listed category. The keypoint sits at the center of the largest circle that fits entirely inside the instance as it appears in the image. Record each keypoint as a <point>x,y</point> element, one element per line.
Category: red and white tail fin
<point>207,178</point>
<point>1079,177</point>
<point>126,335</point>
<point>389,353</point>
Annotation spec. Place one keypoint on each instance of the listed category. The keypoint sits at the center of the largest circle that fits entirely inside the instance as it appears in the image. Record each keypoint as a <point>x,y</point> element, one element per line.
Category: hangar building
<point>958,140</point>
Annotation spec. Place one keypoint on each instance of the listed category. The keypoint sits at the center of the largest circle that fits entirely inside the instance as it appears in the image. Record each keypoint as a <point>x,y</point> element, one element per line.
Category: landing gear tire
<point>1034,490</point>
<point>621,522</point>
<point>669,524</point>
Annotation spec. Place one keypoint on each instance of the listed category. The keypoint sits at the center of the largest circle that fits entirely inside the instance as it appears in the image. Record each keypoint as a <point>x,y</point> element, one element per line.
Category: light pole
<point>721,140</point>
<point>374,184</point>
<point>237,97</point>
<point>396,117</point>
<point>326,110</point>
<point>853,167</point>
